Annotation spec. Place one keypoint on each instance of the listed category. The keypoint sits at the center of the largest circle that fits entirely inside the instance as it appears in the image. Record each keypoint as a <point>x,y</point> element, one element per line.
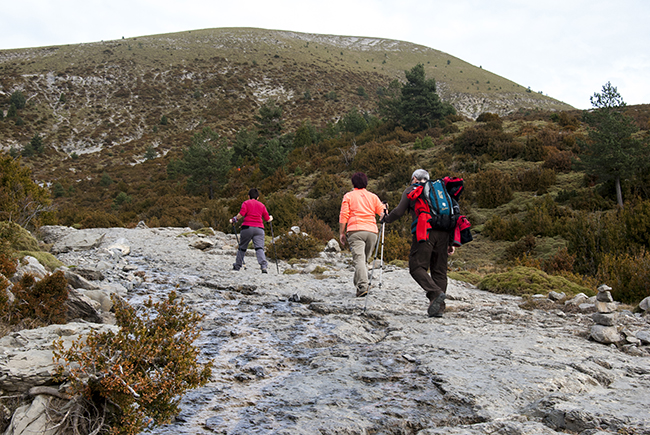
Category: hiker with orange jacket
<point>358,226</point>
<point>430,253</point>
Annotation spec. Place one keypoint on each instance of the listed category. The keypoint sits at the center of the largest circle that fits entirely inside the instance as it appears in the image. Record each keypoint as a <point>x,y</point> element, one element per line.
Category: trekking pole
<point>274,252</point>
<point>374,257</point>
<point>243,260</point>
<point>381,263</point>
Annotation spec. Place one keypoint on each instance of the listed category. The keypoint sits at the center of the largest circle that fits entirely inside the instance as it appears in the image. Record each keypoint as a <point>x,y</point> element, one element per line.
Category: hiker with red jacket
<point>429,248</point>
<point>357,217</point>
<point>254,214</point>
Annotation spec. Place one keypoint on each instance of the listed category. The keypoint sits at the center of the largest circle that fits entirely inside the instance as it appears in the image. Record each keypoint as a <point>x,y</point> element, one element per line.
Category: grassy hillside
<point>88,98</point>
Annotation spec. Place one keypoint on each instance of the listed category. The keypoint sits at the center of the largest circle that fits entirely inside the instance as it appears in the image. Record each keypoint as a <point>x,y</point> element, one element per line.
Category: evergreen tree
<point>57,190</point>
<point>269,121</point>
<point>354,122</point>
<point>18,99</point>
<point>206,162</point>
<point>245,147</point>
<point>414,105</point>
<point>612,152</point>
<point>12,112</point>
<point>37,144</point>
<point>303,136</point>
<point>28,150</point>
<point>150,153</point>
<point>272,156</point>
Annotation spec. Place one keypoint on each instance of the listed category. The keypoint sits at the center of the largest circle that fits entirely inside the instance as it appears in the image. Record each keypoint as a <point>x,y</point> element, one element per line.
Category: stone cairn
<point>610,329</point>
<point>605,317</point>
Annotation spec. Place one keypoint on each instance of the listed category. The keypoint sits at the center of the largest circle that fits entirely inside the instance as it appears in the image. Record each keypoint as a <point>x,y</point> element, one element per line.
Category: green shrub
<point>583,199</point>
<point>297,246</point>
<point>521,281</point>
<point>497,228</point>
<point>137,376</point>
<point>285,208</point>
<point>423,144</point>
<point>396,247</point>
<point>49,261</point>
<point>18,238</point>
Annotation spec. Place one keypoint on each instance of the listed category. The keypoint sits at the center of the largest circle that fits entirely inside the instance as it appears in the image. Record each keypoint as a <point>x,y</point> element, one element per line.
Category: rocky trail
<point>296,353</point>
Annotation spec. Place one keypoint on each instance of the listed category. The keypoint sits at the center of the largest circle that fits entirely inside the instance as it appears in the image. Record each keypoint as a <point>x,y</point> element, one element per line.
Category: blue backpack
<point>435,208</point>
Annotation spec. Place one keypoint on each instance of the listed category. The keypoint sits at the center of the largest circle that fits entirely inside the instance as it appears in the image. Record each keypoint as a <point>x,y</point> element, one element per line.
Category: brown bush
<point>488,139</point>
<point>492,188</point>
<point>536,179</point>
<point>523,247</point>
<point>43,301</point>
<point>329,185</point>
<point>497,228</point>
<point>488,117</point>
<point>562,261</point>
<point>132,379</point>
<point>378,159</point>
<point>316,228</point>
<point>100,219</point>
<point>627,274</point>
<point>559,160</point>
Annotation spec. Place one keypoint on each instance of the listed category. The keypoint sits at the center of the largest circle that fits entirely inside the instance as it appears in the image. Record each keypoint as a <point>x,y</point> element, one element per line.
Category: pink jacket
<point>253,212</point>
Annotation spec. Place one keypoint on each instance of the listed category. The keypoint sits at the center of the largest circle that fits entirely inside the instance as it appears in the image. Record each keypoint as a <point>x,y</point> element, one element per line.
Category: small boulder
<point>29,265</point>
<point>120,247</point>
<point>606,319</point>
<point>202,244</point>
<point>333,246</point>
<point>645,304</point>
<point>605,334</point>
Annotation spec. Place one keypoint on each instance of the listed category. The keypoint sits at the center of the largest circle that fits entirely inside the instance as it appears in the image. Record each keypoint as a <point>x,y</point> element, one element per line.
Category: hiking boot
<point>264,271</point>
<point>437,306</point>
<point>362,292</point>
<point>235,268</point>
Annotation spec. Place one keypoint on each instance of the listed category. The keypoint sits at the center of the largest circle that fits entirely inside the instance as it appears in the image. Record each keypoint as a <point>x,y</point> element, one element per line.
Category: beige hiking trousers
<point>361,245</point>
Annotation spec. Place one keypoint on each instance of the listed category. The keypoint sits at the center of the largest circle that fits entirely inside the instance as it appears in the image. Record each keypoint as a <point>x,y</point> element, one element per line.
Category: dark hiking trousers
<point>430,255</point>
<point>257,235</point>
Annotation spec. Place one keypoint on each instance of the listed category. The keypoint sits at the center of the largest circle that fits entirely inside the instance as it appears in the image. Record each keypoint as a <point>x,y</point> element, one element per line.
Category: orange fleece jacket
<point>358,210</point>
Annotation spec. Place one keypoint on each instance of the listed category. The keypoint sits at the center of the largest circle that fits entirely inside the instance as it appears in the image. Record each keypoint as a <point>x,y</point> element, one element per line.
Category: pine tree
<point>37,144</point>
<point>269,121</point>
<point>414,105</point>
<point>206,162</point>
<point>612,152</point>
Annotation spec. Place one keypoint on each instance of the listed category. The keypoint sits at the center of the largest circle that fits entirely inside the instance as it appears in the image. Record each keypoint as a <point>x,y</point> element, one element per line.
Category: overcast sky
<point>567,49</point>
